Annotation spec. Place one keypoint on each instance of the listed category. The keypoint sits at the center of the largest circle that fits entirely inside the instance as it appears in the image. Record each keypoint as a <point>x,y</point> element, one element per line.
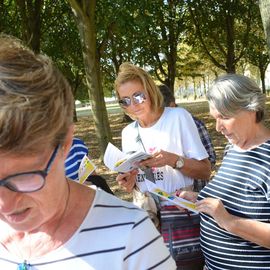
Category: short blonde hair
<point>129,72</point>
<point>36,101</point>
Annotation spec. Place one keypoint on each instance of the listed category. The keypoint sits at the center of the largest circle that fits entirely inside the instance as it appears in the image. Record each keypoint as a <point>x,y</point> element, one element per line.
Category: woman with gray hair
<point>235,205</point>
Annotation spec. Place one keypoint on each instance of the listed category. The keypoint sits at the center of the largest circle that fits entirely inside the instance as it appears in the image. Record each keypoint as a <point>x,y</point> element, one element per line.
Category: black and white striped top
<point>115,235</point>
<point>243,185</point>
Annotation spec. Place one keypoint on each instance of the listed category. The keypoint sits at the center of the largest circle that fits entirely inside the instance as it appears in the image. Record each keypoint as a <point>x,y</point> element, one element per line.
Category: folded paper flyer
<point>85,169</point>
<point>170,197</point>
<point>118,161</point>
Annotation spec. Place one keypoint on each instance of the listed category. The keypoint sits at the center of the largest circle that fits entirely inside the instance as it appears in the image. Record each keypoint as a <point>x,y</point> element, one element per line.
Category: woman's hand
<point>127,180</point>
<point>159,159</point>
<point>187,195</point>
<point>249,229</point>
<point>216,209</point>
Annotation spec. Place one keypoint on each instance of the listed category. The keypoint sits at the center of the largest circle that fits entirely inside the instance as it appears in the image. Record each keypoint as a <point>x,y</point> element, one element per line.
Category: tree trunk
<point>75,118</point>
<point>31,22</point>
<point>194,89</point>
<point>2,14</point>
<point>265,14</point>
<point>186,88</point>
<point>84,12</point>
<point>204,86</point>
<point>230,61</point>
<point>262,75</point>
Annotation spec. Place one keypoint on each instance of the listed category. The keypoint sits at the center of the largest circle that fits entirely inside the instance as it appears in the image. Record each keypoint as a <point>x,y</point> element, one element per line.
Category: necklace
<point>23,266</point>
<point>26,265</point>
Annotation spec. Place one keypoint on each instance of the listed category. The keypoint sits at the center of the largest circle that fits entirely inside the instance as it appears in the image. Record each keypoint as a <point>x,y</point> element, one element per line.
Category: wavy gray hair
<point>231,93</point>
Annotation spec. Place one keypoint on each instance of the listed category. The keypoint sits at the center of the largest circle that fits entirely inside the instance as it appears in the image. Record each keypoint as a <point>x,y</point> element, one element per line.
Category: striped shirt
<point>76,153</point>
<point>243,185</point>
<point>114,235</point>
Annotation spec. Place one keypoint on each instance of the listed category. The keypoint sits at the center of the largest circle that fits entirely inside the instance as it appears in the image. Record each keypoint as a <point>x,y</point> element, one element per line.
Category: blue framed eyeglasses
<point>31,181</point>
<point>136,98</point>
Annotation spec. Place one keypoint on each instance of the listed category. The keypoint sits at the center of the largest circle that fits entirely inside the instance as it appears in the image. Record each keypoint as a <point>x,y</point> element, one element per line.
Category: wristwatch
<point>179,163</point>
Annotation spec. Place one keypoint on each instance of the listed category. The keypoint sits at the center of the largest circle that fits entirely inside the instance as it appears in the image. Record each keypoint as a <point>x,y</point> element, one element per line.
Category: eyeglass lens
<point>137,98</point>
<point>28,181</point>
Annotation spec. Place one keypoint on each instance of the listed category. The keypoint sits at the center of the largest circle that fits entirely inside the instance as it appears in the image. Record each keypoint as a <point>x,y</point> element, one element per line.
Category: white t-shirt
<point>114,235</point>
<point>175,132</point>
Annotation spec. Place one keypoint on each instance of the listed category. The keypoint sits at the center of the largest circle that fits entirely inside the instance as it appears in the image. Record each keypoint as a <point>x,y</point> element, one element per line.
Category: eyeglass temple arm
<point>52,158</point>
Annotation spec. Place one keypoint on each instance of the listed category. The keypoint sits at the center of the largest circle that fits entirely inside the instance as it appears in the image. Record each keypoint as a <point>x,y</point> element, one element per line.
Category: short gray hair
<point>231,93</point>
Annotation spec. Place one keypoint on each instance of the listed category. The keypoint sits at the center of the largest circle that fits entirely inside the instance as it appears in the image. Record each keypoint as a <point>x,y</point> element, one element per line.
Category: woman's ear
<point>68,140</point>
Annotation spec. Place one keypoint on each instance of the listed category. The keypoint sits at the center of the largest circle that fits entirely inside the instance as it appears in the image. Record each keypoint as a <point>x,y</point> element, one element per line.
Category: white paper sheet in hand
<point>112,155</point>
<point>118,161</point>
<point>153,188</point>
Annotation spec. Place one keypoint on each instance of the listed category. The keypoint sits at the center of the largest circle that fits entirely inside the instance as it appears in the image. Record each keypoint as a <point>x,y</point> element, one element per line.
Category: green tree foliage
<point>161,25</point>
<point>256,52</point>
<point>38,20</point>
<point>117,37</point>
<point>151,33</point>
<point>62,43</point>
<point>31,21</point>
<point>144,32</point>
<point>222,28</point>
<point>265,14</point>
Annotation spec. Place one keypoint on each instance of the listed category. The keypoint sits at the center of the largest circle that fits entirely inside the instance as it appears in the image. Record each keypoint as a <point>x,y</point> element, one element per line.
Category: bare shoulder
<point>81,195</point>
<point>81,199</point>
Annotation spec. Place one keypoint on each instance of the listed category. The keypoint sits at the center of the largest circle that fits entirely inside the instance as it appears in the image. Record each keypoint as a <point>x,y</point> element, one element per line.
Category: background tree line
<point>180,42</point>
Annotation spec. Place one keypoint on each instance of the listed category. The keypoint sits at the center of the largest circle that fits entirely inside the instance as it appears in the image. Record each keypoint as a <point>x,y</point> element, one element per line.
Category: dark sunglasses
<point>136,98</point>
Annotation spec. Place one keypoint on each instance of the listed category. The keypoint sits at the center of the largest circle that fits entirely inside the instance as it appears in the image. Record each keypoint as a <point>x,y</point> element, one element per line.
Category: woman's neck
<point>29,245</point>
<point>151,119</point>
<point>261,135</point>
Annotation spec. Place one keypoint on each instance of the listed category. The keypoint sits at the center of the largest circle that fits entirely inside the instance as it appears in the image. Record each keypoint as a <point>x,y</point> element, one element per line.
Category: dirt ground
<point>85,130</point>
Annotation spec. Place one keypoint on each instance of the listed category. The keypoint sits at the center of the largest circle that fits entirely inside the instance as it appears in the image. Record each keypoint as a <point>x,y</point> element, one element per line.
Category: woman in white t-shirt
<point>168,134</point>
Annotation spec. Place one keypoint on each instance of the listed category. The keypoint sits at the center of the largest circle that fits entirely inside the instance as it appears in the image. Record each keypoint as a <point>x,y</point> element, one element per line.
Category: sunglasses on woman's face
<point>136,98</point>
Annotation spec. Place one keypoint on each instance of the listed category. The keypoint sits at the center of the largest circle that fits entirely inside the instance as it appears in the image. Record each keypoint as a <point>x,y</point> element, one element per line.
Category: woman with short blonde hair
<point>46,220</point>
<point>177,154</point>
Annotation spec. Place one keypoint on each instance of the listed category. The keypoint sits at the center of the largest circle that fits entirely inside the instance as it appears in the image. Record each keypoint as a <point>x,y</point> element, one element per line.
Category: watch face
<point>179,163</point>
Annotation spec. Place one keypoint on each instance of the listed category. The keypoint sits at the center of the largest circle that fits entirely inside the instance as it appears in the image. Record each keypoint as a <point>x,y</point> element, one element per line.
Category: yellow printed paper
<point>118,163</point>
<point>170,197</point>
<point>85,169</point>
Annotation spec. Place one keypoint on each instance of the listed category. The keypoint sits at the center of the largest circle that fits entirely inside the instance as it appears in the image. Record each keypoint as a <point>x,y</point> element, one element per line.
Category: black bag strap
<point>148,171</point>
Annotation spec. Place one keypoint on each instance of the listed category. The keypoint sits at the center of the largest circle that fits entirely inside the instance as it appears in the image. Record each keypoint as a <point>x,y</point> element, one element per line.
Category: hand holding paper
<point>118,161</point>
<point>170,197</point>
